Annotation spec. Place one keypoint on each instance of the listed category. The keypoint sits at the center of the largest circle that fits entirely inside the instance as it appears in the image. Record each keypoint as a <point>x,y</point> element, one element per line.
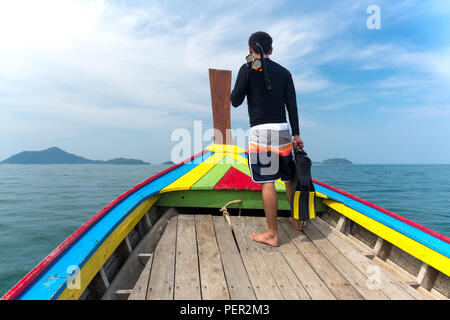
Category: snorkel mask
<point>259,64</point>
<point>254,62</point>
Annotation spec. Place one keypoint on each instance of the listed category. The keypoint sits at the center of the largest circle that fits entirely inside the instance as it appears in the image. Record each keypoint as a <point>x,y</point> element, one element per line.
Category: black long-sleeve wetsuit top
<point>264,106</point>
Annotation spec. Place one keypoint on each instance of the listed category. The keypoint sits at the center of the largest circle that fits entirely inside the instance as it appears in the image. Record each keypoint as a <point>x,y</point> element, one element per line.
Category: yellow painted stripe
<point>186,181</point>
<point>98,259</point>
<point>225,148</point>
<point>321,195</point>
<point>416,249</point>
<point>311,206</point>
<point>239,158</point>
<point>296,211</point>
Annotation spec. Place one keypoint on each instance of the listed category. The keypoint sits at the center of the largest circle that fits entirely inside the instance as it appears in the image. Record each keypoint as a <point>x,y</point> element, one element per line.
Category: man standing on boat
<point>270,91</point>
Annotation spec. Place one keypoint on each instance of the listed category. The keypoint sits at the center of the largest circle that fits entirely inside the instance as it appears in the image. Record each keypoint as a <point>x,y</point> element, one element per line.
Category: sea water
<point>41,205</point>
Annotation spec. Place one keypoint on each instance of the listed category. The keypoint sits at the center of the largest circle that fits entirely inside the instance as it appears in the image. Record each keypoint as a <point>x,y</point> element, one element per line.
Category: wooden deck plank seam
<point>290,266</point>
<point>357,279</point>
<point>198,261</point>
<point>271,273</point>
<point>210,221</point>
<point>391,278</point>
<point>148,279</point>
<point>274,278</point>
<point>324,280</point>
<point>220,256</point>
<point>250,251</point>
<point>175,260</point>
<point>306,260</point>
<point>240,255</point>
<point>287,263</point>
<point>252,225</point>
<point>310,264</point>
<point>292,284</point>
<point>331,262</point>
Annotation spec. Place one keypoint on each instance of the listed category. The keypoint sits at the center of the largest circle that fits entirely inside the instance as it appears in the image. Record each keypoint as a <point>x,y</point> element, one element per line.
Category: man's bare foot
<point>296,224</point>
<point>266,238</point>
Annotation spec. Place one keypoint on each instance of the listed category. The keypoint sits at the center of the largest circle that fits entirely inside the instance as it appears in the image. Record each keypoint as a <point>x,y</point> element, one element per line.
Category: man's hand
<point>297,142</point>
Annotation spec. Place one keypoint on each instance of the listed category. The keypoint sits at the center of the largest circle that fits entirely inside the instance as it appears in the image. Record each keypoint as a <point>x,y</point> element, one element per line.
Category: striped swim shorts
<point>270,153</point>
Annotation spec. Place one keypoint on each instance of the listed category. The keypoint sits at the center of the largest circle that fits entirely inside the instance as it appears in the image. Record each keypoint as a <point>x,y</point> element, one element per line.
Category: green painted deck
<point>199,256</point>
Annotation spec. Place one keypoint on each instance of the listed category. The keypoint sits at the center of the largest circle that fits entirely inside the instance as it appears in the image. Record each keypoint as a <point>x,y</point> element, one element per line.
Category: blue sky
<point>105,79</point>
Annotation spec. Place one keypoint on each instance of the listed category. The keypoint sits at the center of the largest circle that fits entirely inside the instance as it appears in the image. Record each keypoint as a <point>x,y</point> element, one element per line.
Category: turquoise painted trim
<point>53,281</point>
<point>418,235</point>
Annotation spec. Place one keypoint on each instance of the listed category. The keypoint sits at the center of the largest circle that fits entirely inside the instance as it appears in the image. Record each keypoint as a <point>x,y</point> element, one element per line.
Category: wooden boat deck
<point>200,257</point>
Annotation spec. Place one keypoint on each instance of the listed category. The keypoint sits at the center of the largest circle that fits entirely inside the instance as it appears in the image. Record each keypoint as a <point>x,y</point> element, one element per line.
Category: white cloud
<point>309,81</point>
<point>101,53</point>
<point>116,66</point>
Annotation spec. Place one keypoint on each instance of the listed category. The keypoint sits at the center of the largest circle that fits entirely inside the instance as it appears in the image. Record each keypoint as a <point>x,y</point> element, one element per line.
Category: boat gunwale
<point>47,262</point>
<point>23,284</point>
<point>416,225</point>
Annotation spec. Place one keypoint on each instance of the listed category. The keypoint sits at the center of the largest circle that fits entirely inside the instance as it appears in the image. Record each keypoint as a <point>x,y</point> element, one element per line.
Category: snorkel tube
<point>263,60</point>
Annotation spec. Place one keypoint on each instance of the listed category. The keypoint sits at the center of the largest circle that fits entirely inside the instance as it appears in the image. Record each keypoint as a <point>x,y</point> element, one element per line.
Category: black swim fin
<point>303,192</point>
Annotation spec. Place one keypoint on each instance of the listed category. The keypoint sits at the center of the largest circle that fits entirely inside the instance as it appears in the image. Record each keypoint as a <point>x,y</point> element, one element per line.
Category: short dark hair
<point>263,38</point>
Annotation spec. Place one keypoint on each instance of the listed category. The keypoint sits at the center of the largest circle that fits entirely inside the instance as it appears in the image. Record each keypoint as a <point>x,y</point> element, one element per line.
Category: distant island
<point>336,161</point>
<point>168,163</point>
<point>55,155</point>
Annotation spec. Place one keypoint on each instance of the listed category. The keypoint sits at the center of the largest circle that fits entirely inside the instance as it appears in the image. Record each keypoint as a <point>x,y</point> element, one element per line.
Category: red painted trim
<point>234,179</point>
<point>389,213</point>
<point>26,281</point>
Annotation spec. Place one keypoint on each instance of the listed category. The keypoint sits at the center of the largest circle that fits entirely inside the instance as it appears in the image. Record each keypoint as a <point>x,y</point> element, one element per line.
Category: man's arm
<point>240,87</point>
<point>291,105</point>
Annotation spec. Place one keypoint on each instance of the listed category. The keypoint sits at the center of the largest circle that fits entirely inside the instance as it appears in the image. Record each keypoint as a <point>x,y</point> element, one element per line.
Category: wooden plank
<point>337,284</point>
<point>256,225</point>
<point>242,235</point>
<point>261,278</point>
<point>104,277</point>
<point>312,283</point>
<point>140,288</point>
<point>427,276</point>
<point>441,287</point>
<point>287,281</point>
<point>263,283</point>
<point>212,277</point>
<point>343,225</point>
<point>163,270</point>
<point>105,249</point>
<point>363,235</point>
<point>220,83</point>
<point>331,216</point>
<point>123,294</point>
<point>239,285</point>
<point>421,251</point>
<point>143,257</point>
<point>132,268</point>
<point>383,248</point>
<point>404,260</point>
<point>187,278</point>
<point>389,284</point>
<point>353,275</point>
